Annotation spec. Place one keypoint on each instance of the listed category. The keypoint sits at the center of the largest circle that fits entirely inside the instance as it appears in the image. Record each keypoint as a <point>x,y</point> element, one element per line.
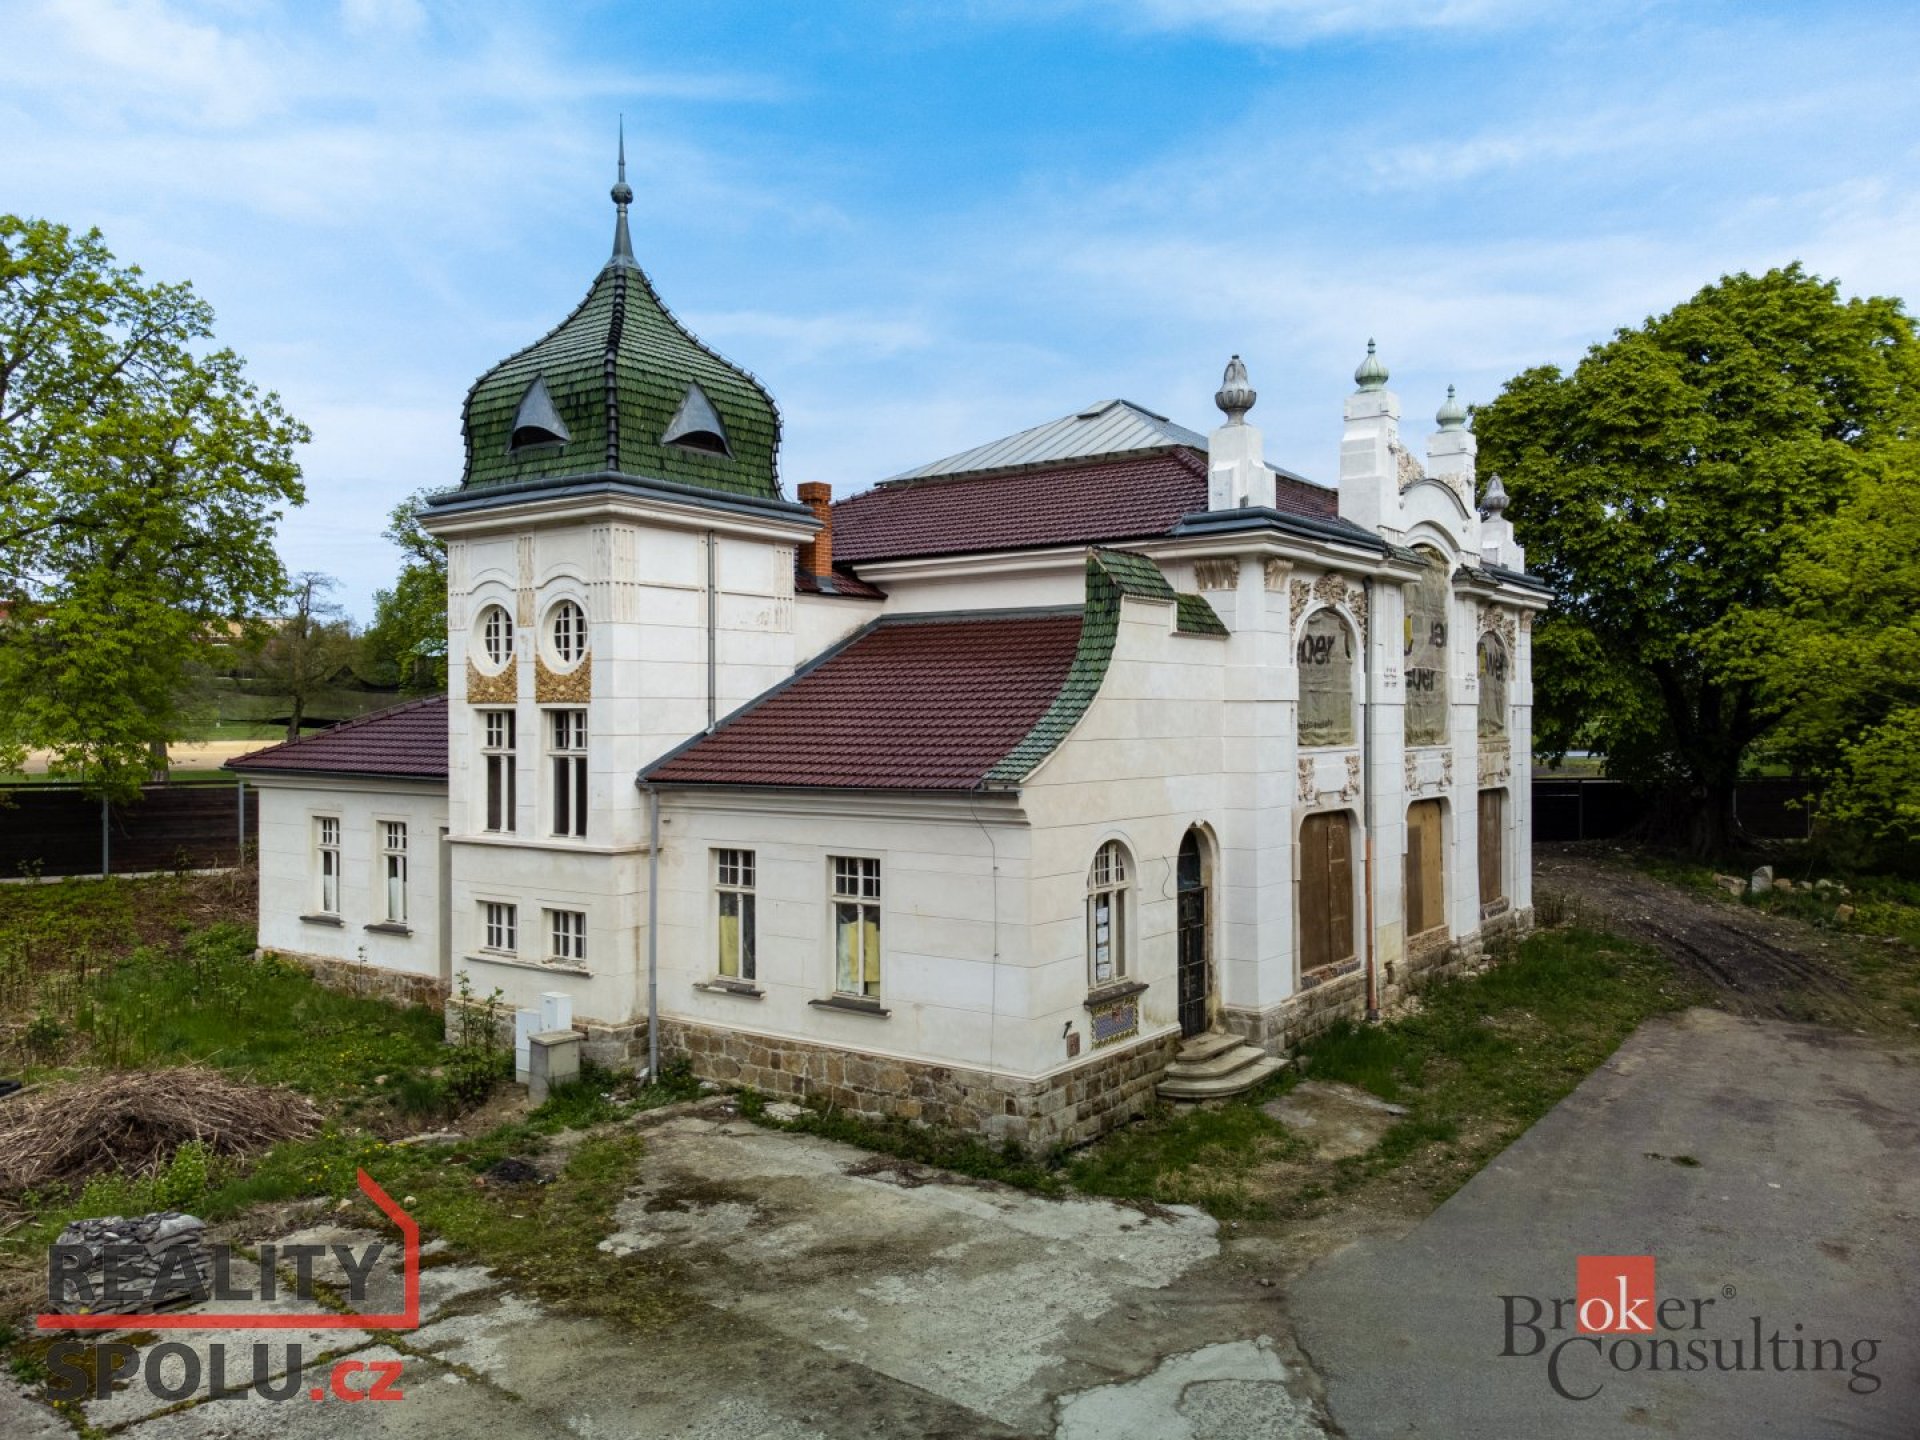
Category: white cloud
<point>1292,22</point>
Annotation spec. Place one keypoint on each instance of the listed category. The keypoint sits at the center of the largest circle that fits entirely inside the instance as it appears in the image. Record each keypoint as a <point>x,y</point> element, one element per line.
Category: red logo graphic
<point>408,1319</point>
<point>1615,1294</point>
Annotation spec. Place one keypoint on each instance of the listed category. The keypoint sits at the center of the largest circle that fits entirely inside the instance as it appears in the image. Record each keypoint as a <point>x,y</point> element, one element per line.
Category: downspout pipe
<point>1366,793</point>
<point>653,930</point>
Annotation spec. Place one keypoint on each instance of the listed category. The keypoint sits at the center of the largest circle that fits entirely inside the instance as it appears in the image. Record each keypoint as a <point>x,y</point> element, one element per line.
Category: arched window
<point>569,627</point>
<point>1429,604</point>
<point>1325,658</point>
<point>1107,885</point>
<point>1493,686</point>
<point>496,635</point>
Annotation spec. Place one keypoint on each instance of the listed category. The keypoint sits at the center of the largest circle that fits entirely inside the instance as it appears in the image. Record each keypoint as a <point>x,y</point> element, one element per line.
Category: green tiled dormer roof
<point>620,373</point>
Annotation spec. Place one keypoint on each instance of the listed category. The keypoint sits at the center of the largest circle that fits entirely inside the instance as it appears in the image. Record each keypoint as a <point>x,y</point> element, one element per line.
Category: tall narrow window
<point>569,632</point>
<point>1325,658</point>
<point>733,900</point>
<point>567,936</point>
<point>496,635</point>
<point>1493,687</point>
<point>856,925</point>
<point>502,926</point>
<point>393,859</point>
<point>497,748</point>
<point>1428,601</point>
<point>1107,914</point>
<point>1326,891</point>
<point>327,852</point>
<point>568,730</point>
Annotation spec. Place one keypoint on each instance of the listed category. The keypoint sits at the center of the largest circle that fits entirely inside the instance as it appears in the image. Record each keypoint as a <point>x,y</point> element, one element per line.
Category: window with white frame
<point>567,737</point>
<point>733,901</point>
<point>856,925</point>
<point>569,630</point>
<point>326,846</point>
<point>1107,883</point>
<point>496,636</point>
<point>567,936</point>
<point>393,864</point>
<point>497,750</point>
<point>501,926</point>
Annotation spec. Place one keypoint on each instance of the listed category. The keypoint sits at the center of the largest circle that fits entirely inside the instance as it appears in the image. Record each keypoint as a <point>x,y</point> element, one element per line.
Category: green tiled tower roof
<point>620,387</point>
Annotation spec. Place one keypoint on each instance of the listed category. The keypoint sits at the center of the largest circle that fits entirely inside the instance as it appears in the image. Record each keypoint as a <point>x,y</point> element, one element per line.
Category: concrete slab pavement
<point>1772,1170</point>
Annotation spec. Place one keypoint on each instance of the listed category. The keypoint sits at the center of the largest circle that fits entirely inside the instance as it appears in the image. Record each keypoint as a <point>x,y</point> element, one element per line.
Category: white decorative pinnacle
<point>1235,395</point>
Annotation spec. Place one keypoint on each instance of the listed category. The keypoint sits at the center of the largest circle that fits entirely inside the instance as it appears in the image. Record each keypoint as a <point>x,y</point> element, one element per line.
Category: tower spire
<point>622,197</point>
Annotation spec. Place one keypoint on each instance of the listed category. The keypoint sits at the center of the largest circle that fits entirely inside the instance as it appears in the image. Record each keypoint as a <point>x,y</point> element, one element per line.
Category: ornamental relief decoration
<point>562,687</point>
<point>1310,791</point>
<point>1275,572</point>
<point>1416,783</point>
<point>484,689</point>
<point>1330,590</point>
<point>1216,574</point>
<point>1500,622</point>
<point>1495,761</point>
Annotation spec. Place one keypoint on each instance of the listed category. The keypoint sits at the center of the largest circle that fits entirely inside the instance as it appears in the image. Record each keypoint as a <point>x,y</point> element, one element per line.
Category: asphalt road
<point>1771,1170</point>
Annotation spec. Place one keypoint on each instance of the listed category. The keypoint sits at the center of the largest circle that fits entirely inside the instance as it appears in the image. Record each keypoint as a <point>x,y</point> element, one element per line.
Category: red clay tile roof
<point>841,582</point>
<point>1128,497</point>
<point>407,742</point>
<point>910,704</point>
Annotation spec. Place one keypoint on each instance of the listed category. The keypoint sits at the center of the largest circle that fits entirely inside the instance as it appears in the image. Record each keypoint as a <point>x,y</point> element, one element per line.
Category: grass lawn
<point>157,972</point>
<point>1475,1064</point>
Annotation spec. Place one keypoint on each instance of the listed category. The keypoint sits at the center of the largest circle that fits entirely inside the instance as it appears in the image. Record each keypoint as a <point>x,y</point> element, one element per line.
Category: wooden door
<point>1326,891</point>
<point>1493,830</point>
<point>1426,868</point>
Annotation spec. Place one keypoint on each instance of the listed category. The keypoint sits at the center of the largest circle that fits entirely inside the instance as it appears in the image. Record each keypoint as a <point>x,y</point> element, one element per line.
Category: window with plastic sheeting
<point>1325,657</point>
<point>1493,686</point>
<point>856,926</point>
<point>1429,603</point>
<point>1107,883</point>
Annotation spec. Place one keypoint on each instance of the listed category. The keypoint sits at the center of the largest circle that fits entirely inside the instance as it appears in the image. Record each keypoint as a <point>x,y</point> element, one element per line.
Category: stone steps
<point>1214,1066</point>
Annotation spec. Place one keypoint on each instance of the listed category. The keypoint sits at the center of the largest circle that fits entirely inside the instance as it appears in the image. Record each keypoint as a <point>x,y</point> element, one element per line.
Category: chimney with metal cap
<point>816,555</point>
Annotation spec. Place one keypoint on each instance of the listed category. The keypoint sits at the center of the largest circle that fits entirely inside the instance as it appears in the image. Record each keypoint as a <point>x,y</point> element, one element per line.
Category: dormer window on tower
<point>696,425</point>
<point>537,422</point>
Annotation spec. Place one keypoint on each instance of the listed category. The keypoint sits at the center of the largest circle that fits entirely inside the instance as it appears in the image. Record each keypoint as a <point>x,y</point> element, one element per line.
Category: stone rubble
<point>160,1260</point>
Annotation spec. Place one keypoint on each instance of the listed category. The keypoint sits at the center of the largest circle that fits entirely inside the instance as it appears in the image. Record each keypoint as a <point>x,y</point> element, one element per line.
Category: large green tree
<point>407,643</point>
<point>1841,662</point>
<point>141,476</point>
<point>1659,488</point>
<point>305,650</point>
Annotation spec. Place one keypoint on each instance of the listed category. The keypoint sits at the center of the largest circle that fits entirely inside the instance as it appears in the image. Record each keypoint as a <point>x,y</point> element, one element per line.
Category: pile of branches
<point>132,1121</point>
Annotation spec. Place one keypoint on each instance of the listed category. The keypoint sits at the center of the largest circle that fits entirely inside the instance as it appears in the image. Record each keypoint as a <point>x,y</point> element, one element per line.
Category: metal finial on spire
<point>1235,395</point>
<point>622,197</point>
<point>1452,414</point>
<point>1493,500</point>
<point>1372,374</point>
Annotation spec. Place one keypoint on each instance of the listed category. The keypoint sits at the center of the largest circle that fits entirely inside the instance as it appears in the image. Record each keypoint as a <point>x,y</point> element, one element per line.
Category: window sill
<point>389,927</point>
<point>852,1004</point>
<point>500,957</point>
<point>721,985</point>
<point>333,920</point>
<point>1116,990</point>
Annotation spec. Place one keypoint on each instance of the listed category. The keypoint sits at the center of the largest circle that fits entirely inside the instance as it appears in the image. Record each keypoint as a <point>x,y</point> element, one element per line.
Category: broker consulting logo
<point>1617,1323</point>
<point>112,1284</point>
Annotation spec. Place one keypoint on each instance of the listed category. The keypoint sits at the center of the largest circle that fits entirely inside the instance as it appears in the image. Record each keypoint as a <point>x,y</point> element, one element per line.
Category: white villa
<point>1099,759</point>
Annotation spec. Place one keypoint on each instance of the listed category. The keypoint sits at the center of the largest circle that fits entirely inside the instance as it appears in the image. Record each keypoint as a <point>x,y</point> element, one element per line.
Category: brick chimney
<point>816,555</point>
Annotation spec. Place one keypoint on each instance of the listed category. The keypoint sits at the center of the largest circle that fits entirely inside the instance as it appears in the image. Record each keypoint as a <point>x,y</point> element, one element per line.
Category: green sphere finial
<point>1372,374</point>
<point>1452,414</point>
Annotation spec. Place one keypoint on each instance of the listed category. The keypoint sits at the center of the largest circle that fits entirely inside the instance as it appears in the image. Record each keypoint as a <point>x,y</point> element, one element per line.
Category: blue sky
<point>928,225</point>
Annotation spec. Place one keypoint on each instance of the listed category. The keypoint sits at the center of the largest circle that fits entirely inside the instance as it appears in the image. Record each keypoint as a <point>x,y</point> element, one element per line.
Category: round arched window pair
<point>496,636</point>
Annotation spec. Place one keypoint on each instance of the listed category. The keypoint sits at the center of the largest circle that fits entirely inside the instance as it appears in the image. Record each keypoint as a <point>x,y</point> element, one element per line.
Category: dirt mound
<point>134,1120</point>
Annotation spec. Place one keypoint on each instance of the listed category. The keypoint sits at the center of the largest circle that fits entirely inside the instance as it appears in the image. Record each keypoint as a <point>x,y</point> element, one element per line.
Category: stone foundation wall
<point>349,977</point>
<point>615,1046</point>
<point>1067,1108</point>
<point>1344,997</point>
